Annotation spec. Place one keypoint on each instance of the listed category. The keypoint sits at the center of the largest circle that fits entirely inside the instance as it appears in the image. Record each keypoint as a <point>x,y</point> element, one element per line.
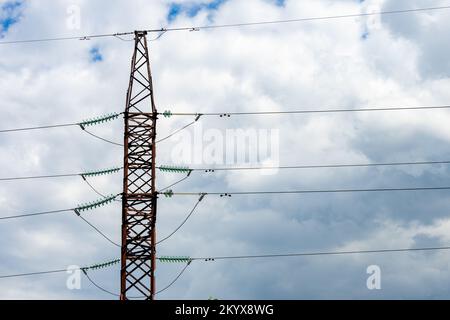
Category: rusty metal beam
<point>139,199</point>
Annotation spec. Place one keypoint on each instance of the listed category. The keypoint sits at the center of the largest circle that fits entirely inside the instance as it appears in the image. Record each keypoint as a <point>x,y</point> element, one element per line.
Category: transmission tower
<point>139,193</point>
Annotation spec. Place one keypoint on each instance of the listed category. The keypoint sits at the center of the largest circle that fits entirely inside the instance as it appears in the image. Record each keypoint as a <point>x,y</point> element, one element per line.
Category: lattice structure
<point>139,193</point>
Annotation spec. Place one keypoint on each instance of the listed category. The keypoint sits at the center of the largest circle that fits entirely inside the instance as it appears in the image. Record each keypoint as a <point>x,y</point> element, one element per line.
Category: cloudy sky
<point>399,60</point>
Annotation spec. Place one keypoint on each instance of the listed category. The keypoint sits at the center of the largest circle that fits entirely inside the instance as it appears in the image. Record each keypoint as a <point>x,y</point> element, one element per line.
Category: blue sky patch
<point>365,35</point>
<point>95,55</point>
<point>191,9</point>
<point>10,14</point>
<point>280,3</point>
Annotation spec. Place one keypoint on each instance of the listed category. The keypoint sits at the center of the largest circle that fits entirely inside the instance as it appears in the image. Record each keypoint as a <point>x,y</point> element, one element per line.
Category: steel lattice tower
<point>139,193</point>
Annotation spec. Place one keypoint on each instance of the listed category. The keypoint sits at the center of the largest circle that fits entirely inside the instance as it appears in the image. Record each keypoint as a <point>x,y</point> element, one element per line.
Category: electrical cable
<point>86,37</point>
<point>40,127</point>
<point>95,189</point>
<point>229,194</point>
<point>18,275</point>
<point>141,297</point>
<point>235,114</point>
<point>98,286</point>
<point>176,131</point>
<point>175,280</point>
<point>174,184</point>
<point>312,254</point>
<point>372,109</point>
<point>324,166</point>
<point>386,164</point>
<point>103,139</point>
<point>77,210</point>
<point>40,177</point>
<point>35,214</point>
<point>183,223</point>
<point>269,256</point>
<point>244,24</point>
<point>100,232</point>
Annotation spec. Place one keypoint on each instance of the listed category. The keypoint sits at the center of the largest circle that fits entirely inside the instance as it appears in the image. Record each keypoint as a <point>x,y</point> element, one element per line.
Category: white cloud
<point>321,64</point>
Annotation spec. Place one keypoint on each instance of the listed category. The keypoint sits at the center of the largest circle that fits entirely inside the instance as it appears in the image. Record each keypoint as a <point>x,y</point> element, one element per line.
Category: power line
<point>268,256</point>
<point>41,177</point>
<point>179,130</point>
<point>98,286</point>
<point>175,280</point>
<point>79,174</point>
<point>117,295</point>
<point>383,164</point>
<point>312,254</point>
<point>36,214</point>
<point>103,289</point>
<point>100,232</point>
<point>82,124</point>
<point>85,37</point>
<point>246,24</point>
<point>324,166</point>
<point>40,127</point>
<point>96,191</point>
<point>103,139</point>
<point>175,183</point>
<point>310,111</point>
<point>224,114</point>
<point>92,267</point>
<point>184,221</point>
<point>18,275</point>
<point>77,210</point>
<point>222,26</point>
<point>226,194</point>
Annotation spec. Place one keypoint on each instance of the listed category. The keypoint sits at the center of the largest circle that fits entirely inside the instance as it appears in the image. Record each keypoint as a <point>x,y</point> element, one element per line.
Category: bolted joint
<point>140,33</point>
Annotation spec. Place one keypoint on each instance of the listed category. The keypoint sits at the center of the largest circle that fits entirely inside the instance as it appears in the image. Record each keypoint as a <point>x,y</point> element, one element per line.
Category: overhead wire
<point>183,223</point>
<point>269,256</point>
<point>231,25</point>
<point>36,214</point>
<point>82,37</point>
<point>322,166</point>
<point>95,189</point>
<point>174,184</point>
<point>198,115</point>
<point>98,286</point>
<point>337,165</point>
<point>89,206</point>
<point>174,280</point>
<point>103,139</point>
<point>271,22</point>
<point>179,130</point>
<point>40,177</point>
<point>325,253</point>
<point>225,194</point>
<point>99,231</point>
<point>141,297</point>
<point>18,275</point>
<point>40,127</point>
<point>310,111</point>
